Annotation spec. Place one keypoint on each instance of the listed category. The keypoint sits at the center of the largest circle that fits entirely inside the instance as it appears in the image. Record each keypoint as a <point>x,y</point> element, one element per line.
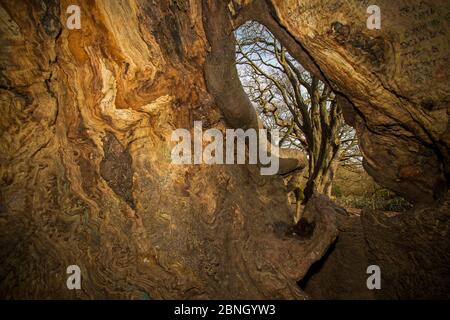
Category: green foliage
<point>337,191</point>
<point>356,189</point>
<point>395,203</point>
<point>299,194</point>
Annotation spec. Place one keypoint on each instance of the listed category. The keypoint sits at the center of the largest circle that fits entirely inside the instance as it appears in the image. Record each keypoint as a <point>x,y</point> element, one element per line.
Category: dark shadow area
<point>316,267</point>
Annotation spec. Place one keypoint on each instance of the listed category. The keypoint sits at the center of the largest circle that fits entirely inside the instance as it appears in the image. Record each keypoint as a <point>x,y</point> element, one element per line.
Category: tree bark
<point>324,156</point>
<point>87,178</point>
<point>87,115</point>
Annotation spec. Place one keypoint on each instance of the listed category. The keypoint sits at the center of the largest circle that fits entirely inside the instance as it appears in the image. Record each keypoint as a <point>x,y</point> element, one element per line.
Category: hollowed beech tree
<point>86,120</point>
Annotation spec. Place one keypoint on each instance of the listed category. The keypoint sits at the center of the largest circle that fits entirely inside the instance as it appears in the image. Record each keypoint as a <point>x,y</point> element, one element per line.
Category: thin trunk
<point>323,160</point>
<point>329,177</point>
<point>298,210</point>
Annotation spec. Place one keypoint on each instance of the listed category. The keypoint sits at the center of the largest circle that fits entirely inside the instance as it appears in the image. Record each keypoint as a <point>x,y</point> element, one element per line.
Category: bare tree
<point>296,102</point>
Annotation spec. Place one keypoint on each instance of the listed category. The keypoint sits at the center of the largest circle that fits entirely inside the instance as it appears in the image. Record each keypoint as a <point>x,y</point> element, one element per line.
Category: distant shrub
<point>337,192</point>
<point>385,201</point>
<point>358,190</point>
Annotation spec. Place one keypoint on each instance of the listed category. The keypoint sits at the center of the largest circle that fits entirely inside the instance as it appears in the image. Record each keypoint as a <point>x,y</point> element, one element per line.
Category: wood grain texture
<point>86,176</point>
<point>86,171</point>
